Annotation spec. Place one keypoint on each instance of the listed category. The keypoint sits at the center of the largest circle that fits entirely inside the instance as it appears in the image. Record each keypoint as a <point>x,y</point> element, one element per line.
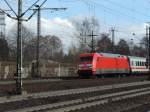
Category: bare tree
<point>144,46</point>
<point>122,47</point>
<point>4,50</point>
<point>27,35</point>
<point>84,28</point>
<point>104,44</point>
<point>50,48</point>
<point>72,55</point>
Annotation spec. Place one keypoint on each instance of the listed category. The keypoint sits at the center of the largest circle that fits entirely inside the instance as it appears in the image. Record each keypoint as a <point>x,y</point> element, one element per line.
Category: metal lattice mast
<point>92,41</point>
<point>113,39</point>
<point>149,51</point>
<point>38,9</point>
<point>19,49</point>
<point>38,37</point>
<point>2,25</point>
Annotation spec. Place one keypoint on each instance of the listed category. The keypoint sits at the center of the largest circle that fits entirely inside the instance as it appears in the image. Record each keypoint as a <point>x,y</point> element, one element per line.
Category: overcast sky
<point>127,16</point>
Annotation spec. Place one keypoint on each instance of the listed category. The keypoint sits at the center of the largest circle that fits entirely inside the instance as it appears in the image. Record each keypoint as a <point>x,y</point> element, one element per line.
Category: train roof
<point>119,55</point>
<point>87,54</point>
<point>103,54</point>
<point>113,55</point>
<point>134,57</point>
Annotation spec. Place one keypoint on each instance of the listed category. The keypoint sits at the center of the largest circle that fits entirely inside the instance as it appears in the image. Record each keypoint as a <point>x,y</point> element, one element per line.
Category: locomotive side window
<point>146,64</point>
<point>136,63</point>
<point>132,63</point>
<point>143,63</point>
<point>86,59</point>
<point>140,63</point>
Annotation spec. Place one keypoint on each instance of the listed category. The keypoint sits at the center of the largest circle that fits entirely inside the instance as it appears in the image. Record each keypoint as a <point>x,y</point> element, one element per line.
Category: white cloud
<point>9,24</point>
<point>62,28</point>
<point>135,32</point>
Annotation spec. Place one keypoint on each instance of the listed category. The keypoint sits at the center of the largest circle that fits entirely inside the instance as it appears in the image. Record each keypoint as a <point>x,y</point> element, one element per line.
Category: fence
<point>58,70</point>
<point>7,69</point>
<point>46,70</point>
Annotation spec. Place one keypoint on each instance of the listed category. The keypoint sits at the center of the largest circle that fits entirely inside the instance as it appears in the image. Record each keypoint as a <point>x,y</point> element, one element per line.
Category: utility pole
<point>38,9</point>
<point>19,49</point>
<point>93,46</point>
<point>149,51</point>
<point>2,25</point>
<point>92,41</point>
<point>113,38</point>
<point>131,47</point>
<point>19,18</point>
<point>147,45</point>
<point>38,37</point>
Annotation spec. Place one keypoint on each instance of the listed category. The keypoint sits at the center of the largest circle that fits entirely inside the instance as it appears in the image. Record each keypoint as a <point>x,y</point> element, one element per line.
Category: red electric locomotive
<point>104,64</point>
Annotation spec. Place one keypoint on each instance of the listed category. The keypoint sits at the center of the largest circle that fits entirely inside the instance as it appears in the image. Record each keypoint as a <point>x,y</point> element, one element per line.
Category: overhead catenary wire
<point>30,7</point>
<point>23,12</point>
<point>109,9</point>
<point>10,7</point>
<point>3,11</point>
<point>116,11</point>
<point>34,11</point>
<point>19,43</point>
<point>112,10</point>
<point>124,7</point>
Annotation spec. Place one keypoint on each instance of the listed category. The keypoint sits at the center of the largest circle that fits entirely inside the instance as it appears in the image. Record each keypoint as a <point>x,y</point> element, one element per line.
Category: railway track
<point>71,92</point>
<point>29,81</point>
<point>35,86</point>
<point>77,104</point>
<point>73,99</point>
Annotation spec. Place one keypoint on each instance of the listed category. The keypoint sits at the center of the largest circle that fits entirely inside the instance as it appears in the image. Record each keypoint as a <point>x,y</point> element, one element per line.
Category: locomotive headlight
<point>80,66</point>
<point>89,65</point>
<point>85,66</point>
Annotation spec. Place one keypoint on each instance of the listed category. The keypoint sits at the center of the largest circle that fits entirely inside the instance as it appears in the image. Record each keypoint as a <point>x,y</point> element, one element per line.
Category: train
<point>109,64</point>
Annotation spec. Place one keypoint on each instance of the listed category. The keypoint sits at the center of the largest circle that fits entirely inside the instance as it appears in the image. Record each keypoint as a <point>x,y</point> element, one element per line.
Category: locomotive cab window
<point>86,59</point>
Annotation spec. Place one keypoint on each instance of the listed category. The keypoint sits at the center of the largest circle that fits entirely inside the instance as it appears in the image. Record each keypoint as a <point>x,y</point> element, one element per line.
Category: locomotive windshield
<point>86,59</point>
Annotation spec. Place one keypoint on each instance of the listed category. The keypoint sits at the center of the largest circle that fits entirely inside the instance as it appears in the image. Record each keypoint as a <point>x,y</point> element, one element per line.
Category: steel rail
<point>67,106</point>
<point>30,81</point>
<point>69,92</point>
<point>94,103</point>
